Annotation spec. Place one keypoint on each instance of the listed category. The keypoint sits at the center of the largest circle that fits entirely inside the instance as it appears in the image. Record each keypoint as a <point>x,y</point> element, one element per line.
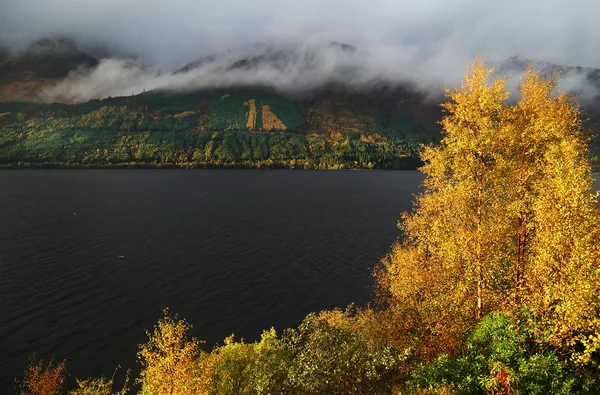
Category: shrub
<point>251,368</point>
<point>43,378</point>
<point>502,359</point>
<point>333,359</point>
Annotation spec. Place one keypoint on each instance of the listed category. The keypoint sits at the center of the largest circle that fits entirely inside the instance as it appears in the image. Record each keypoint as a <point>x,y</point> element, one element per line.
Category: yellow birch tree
<point>508,218</point>
<point>172,363</point>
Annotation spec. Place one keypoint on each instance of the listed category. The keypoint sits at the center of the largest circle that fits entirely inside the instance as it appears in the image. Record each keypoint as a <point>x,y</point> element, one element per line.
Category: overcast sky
<point>174,32</point>
<point>425,41</point>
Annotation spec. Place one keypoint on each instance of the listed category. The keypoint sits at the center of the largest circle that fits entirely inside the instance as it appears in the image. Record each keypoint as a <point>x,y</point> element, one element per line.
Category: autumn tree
<point>508,218</point>
<point>251,368</point>
<point>44,378</point>
<point>172,363</point>
<point>557,267</point>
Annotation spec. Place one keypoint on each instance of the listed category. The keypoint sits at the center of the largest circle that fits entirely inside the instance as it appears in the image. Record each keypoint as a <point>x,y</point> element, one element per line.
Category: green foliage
<point>330,359</point>
<point>318,357</point>
<point>251,368</point>
<point>409,134</point>
<point>501,358</point>
<point>204,128</point>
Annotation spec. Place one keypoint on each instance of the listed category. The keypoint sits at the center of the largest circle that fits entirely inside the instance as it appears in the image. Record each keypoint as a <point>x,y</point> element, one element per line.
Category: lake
<point>89,258</point>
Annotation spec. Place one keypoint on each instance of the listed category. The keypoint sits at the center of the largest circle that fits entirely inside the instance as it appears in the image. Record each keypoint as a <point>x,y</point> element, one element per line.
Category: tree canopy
<point>508,219</point>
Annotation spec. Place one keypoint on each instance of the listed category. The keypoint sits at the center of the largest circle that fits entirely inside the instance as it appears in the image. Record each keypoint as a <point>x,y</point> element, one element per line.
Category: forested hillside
<point>212,128</point>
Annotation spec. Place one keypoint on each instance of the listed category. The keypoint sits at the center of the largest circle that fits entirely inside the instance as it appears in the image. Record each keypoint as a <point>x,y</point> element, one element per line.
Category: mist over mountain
<point>57,70</point>
<point>428,40</point>
<point>293,69</point>
<point>327,88</point>
<point>344,66</point>
<point>582,81</point>
<point>488,280</point>
<point>44,63</point>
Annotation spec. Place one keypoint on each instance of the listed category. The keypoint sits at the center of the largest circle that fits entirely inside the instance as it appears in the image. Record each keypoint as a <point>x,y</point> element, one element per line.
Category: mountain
<point>44,63</point>
<point>582,81</point>
<point>322,79</point>
<point>281,58</point>
<point>241,127</point>
<point>329,125</point>
<point>328,117</point>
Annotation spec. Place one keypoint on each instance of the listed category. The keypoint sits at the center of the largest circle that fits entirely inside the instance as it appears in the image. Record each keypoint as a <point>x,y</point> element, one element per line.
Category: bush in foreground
<point>503,359</point>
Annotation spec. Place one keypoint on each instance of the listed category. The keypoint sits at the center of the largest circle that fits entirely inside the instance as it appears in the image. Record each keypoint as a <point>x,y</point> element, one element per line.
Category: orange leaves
<point>44,378</point>
<point>372,138</point>
<point>251,123</point>
<point>270,120</point>
<point>335,135</point>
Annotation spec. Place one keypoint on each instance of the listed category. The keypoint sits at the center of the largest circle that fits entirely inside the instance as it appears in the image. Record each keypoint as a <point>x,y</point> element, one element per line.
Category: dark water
<point>89,258</point>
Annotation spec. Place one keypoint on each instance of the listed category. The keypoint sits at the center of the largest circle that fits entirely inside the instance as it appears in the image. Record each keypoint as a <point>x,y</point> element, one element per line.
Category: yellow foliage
<point>172,364</point>
<point>380,328</point>
<point>508,218</point>
<point>184,114</point>
<point>249,368</point>
<point>99,386</point>
<point>444,389</point>
<point>251,104</point>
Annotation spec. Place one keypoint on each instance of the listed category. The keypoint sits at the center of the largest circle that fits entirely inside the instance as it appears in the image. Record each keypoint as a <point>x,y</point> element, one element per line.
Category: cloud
<point>429,40</point>
<point>172,33</point>
<point>290,68</point>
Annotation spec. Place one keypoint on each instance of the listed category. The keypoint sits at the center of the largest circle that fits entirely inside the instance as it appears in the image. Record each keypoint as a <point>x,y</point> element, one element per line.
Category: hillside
<point>247,127</point>
<point>328,117</point>
<point>43,64</point>
<point>332,125</point>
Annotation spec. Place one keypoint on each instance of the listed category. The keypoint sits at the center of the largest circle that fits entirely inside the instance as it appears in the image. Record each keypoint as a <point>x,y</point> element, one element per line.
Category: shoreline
<point>189,166</point>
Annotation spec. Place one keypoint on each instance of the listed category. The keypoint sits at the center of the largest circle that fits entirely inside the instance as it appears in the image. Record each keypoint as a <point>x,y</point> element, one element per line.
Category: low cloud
<point>169,34</point>
<point>425,41</point>
<point>297,69</point>
<point>294,69</point>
